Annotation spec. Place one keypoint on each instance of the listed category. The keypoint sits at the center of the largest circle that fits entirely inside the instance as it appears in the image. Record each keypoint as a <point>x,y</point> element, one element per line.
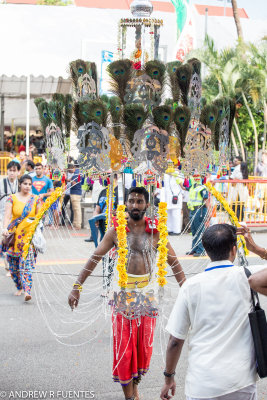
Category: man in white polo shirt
<point>212,309</point>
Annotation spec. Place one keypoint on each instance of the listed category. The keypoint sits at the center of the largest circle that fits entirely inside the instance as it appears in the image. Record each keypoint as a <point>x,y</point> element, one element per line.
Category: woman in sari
<point>20,210</point>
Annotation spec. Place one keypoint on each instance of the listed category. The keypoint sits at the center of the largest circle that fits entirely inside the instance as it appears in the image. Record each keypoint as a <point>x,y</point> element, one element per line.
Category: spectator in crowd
<point>8,186</point>
<point>67,196</point>
<point>261,169</point>
<point>97,189</point>
<point>102,205</point>
<point>236,173</point>
<point>20,208</point>
<point>30,168</point>
<point>42,186</point>
<point>13,157</point>
<point>174,199</point>
<point>238,192</point>
<point>213,306</point>
<point>75,197</point>
<point>197,204</point>
<point>23,160</point>
<point>21,148</point>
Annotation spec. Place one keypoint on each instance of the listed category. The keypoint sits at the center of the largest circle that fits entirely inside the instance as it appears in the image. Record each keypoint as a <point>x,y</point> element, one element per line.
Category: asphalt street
<point>33,359</point>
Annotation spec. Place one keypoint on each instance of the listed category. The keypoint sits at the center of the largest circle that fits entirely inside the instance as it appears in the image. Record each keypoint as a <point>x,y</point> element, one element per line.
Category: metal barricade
<point>248,199</point>
<point>3,165</point>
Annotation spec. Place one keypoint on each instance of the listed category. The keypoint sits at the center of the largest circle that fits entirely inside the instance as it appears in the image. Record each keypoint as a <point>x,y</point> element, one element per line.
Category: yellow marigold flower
<point>162,272</point>
<point>162,205</point>
<point>162,249</point>
<point>162,281</point>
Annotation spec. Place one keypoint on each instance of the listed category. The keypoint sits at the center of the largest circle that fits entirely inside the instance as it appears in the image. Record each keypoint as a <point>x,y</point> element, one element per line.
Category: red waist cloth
<point>132,347</point>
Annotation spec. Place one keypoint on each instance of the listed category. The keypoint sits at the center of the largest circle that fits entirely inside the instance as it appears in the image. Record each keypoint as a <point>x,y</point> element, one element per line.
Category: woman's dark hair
<point>24,178</point>
<point>13,164</point>
<point>140,190</point>
<point>244,170</point>
<point>218,240</point>
<point>31,164</point>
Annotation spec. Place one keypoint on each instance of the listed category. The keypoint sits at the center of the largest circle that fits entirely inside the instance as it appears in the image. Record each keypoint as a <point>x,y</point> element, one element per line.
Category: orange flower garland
<point>122,246</point>
<point>162,248</point>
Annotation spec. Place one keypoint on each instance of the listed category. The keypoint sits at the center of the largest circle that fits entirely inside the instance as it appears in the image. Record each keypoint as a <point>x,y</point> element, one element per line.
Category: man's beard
<point>137,215</point>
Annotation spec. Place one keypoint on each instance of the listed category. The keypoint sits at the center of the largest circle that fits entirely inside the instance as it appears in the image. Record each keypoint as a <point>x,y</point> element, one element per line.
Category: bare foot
<point>136,394</point>
<point>27,297</point>
<point>18,293</point>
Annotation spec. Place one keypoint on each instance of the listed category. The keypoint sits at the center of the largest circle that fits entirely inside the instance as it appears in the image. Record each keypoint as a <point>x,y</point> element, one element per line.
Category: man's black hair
<point>38,164</point>
<point>140,190</point>
<point>238,158</point>
<point>13,164</point>
<point>31,164</point>
<point>218,240</point>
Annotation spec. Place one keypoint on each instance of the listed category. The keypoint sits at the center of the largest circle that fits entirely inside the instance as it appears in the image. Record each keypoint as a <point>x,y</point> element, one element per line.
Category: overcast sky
<point>254,8</point>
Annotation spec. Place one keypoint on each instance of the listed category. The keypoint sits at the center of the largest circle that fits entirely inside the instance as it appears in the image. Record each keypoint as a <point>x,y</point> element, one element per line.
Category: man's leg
<point>64,206</point>
<point>76,205</point>
<point>193,229</point>
<point>200,223</point>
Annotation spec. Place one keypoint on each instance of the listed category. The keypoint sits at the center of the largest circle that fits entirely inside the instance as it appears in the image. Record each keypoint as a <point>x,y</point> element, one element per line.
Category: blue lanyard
<point>219,266</point>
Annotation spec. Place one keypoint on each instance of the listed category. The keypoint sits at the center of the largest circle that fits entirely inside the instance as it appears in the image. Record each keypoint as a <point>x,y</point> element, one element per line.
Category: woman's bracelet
<point>77,286</point>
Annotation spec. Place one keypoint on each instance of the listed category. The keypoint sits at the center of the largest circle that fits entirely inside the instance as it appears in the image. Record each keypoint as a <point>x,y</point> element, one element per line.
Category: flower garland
<point>48,203</point>
<point>229,211</point>
<point>162,248</point>
<point>122,246</point>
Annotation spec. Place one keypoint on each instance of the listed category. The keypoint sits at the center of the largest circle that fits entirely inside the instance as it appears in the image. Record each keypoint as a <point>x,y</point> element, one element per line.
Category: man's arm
<point>175,265</point>
<point>173,353</point>
<point>258,282</point>
<point>105,245</point>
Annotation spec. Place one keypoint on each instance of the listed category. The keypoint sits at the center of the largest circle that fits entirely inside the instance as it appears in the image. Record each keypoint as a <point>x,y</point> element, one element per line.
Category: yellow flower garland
<point>122,246</point>
<point>229,211</point>
<point>163,240</point>
<point>48,203</point>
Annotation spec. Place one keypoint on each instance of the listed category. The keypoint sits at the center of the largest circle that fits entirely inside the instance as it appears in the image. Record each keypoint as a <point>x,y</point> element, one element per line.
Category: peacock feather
<point>196,65</point>
<point>55,112</point>
<point>232,114</point>
<point>68,109</point>
<point>60,98</point>
<point>120,73</point>
<point>116,112</point>
<point>43,112</point>
<point>163,117</point>
<point>208,116</point>
<point>155,70</point>
<point>184,73</point>
<point>79,69</point>
<point>88,111</point>
<point>134,116</point>
<point>171,70</point>
<point>181,118</point>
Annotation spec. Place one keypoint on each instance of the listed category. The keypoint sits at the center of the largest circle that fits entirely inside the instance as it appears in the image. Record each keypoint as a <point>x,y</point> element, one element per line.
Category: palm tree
<point>237,20</point>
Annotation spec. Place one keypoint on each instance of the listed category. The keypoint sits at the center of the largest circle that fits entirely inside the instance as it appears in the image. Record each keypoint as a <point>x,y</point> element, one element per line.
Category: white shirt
<point>12,188</point>
<point>237,174</point>
<point>213,308</point>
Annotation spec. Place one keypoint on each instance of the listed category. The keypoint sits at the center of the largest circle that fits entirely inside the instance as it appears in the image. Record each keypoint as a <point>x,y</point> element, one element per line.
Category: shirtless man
<point>131,364</point>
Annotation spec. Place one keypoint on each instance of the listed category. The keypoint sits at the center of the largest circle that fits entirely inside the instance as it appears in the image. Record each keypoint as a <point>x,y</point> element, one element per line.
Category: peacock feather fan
<point>208,116</point>
<point>120,73</point>
<point>156,70</point>
<point>116,112</point>
<point>184,73</point>
<point>171,70</point>
<point>181,118</point>
<point>163,117</point>
<point>68,109</point>
<point>88,111</point>
<point>43,112</point>
<point>134,116</point>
